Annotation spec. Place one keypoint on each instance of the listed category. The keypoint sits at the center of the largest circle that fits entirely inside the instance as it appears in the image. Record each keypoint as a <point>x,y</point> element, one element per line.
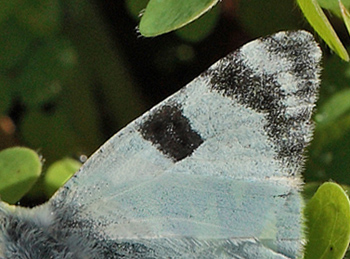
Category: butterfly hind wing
<point>213,170</point>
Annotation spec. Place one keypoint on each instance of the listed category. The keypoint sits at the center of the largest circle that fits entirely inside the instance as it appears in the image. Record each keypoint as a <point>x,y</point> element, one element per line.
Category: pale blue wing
<point>211,172</point>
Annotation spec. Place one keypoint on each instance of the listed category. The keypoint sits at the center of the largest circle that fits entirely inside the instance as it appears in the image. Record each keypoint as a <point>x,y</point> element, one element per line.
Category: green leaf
<point>346,15</point>
<point>309,190</point>
<point>19,169</point>
<point>59,173</point>
<point>320,23</point>
<point>200,28</point>
<point>333,5</point>
<point>330,6</point>
<point>162,16</point>
<point>328,223</point>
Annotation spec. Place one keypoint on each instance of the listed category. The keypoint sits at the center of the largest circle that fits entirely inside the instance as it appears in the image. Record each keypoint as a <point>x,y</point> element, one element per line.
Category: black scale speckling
<point>263,93</point>
<point>170,131</point>
<point>69,237</point>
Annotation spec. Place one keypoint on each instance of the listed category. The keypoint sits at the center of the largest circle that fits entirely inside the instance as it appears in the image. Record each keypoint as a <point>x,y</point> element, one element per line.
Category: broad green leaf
<point>162,16</point>
<point>328,223</point>
<point>59,173</point>
<point>200,28</point>
<point>19,169</point>
<point>320,23</point>
<point>310,189</point>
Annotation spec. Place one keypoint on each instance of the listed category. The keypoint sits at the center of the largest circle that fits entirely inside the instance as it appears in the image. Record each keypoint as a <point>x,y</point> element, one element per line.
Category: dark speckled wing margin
<point>210,172</point>
<point>242,74</point>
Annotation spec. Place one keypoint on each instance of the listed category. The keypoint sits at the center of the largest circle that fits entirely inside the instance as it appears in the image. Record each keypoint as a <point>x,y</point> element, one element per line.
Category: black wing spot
<point>170,131</point>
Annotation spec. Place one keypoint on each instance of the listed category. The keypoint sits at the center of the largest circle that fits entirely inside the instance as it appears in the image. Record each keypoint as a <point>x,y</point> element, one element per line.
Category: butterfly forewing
<point>217,162</point>
<point>213,171</point>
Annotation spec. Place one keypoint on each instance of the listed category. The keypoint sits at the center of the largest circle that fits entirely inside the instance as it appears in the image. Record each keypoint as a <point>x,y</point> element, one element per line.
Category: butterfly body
<point>213,171</point>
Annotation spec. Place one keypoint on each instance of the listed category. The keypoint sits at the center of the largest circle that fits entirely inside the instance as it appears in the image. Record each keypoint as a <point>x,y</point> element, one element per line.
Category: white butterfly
<point>213,171</point>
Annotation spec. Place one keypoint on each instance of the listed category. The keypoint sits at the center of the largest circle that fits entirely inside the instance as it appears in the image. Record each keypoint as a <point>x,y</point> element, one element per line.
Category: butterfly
<point>213,171</point>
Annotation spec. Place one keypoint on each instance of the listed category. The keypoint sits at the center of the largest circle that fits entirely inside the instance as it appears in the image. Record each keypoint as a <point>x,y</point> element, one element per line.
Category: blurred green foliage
<point>49,78</point>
